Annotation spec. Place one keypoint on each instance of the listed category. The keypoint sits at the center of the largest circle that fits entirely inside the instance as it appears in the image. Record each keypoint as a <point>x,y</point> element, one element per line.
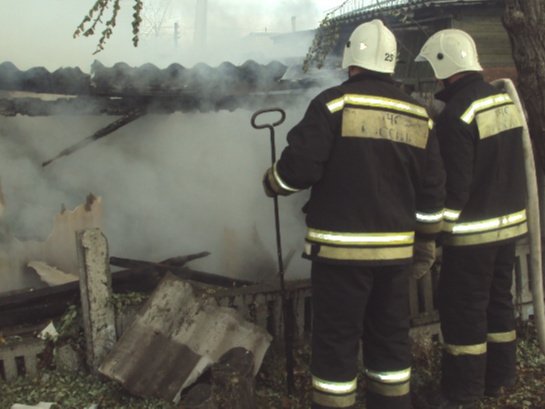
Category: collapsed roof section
<point>121,88</point>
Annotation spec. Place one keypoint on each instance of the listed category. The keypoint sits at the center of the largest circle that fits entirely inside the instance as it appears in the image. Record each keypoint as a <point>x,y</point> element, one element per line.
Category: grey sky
<point>39,33</point>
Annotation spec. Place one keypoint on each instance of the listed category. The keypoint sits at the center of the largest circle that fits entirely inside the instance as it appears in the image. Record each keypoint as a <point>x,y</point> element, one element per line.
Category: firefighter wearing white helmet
<point>480,136</point>
<point>449,52</point>
<point>372,47</point>
<point>368,154</point>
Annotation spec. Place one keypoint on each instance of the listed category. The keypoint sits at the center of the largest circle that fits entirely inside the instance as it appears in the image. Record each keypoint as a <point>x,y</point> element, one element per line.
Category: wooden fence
<point>262,304</point>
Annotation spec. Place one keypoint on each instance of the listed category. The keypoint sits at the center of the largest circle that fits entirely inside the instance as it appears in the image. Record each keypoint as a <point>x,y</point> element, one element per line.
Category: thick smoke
<point>171,184</point>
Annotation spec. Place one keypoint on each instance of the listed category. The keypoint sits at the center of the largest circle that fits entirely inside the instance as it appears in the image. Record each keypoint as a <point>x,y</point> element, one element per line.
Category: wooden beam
<point>176,267</point>
<point>33,306</point>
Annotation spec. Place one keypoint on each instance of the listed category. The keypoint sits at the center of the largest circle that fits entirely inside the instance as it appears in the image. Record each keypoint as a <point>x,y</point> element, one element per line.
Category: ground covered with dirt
<point>82,390</point>
<point>528,393</point>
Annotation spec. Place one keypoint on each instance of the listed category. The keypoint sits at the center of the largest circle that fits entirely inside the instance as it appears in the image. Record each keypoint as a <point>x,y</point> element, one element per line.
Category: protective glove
<point>267,184</point>
<point>424,257</point>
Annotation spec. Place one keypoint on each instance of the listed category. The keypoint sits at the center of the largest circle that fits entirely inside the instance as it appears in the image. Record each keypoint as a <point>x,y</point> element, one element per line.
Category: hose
<point>534,230</point>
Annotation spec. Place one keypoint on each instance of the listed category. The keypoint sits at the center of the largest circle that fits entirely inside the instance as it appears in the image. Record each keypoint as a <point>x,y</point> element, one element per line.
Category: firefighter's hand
<point>267,185</point>
<point>424,257</point>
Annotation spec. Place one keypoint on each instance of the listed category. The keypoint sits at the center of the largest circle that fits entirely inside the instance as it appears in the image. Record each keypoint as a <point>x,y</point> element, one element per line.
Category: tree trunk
<point>524,21</point>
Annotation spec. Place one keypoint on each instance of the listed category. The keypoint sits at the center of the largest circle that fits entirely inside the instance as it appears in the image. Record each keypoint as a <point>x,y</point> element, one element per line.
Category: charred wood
<point>24,307</point>
<point>176,267</point>
<point>45,105</point>
<point>123,104</point>
<point>32,306</point>
<point>130,117</point>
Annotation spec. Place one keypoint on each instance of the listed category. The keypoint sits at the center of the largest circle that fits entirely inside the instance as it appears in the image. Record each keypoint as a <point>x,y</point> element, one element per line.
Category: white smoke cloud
<point>171,184</point>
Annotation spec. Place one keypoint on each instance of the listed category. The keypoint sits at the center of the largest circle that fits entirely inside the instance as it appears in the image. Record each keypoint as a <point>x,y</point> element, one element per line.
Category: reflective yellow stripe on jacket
<point>485,231</point>
<point>493,114</point>
<point>450,217</point>
<point>377,102</point>
<point>277,184</point>
<point>483,104</point>
<point>371,117</point>
<point>360,246</point>
<point>429,222</point>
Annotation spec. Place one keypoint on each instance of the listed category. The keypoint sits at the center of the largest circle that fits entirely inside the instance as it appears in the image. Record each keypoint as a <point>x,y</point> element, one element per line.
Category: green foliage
<point>70,322</point>
<point>72,391</point>
<point>124,300</point>
<point>96,15</point>
<point>80,390</point>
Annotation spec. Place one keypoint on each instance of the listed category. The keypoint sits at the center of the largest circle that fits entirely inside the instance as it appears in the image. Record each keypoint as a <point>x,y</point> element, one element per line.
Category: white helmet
<point>371,46</point>
<point>449,52</point>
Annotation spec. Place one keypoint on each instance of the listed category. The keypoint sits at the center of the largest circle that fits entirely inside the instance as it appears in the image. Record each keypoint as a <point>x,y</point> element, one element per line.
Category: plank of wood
<point>176,267</point>
<point>96,294</point>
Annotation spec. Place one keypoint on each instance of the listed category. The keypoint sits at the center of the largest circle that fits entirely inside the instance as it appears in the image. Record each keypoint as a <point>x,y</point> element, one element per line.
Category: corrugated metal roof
<point>150,89</point>
<point>149,80</point>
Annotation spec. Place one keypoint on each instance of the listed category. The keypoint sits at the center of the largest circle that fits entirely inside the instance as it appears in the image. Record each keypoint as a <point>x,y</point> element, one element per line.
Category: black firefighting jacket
<point>480,137</point>
<point>368,153</point>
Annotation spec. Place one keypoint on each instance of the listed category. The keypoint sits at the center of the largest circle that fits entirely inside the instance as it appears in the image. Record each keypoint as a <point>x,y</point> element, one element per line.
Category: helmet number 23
<point>388,57</point>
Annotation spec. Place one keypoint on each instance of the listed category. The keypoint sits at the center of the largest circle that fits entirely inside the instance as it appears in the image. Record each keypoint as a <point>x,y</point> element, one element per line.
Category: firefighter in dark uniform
<point>367,151</point>
<point>480,137</point>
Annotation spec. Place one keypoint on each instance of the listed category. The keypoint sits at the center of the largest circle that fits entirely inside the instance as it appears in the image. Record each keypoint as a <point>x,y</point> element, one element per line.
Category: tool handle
<point>287,305</point>
<point>267,110</point>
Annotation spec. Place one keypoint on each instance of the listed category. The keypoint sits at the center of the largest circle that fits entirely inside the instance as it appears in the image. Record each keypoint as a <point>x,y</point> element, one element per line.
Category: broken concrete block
<point>21,358</point>
<point>68,359</point>
<point>96,295</point>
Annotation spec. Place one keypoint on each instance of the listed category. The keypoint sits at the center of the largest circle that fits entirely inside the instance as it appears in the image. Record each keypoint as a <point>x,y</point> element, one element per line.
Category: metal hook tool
<point>286,302</point>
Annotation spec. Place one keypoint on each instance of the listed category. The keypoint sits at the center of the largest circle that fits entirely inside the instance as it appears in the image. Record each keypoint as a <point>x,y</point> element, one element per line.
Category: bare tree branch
<point>88,26</point>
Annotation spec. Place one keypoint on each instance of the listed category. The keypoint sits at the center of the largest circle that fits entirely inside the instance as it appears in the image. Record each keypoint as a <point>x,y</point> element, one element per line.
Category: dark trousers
<point>474,299</point>
<point>353,303</point>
